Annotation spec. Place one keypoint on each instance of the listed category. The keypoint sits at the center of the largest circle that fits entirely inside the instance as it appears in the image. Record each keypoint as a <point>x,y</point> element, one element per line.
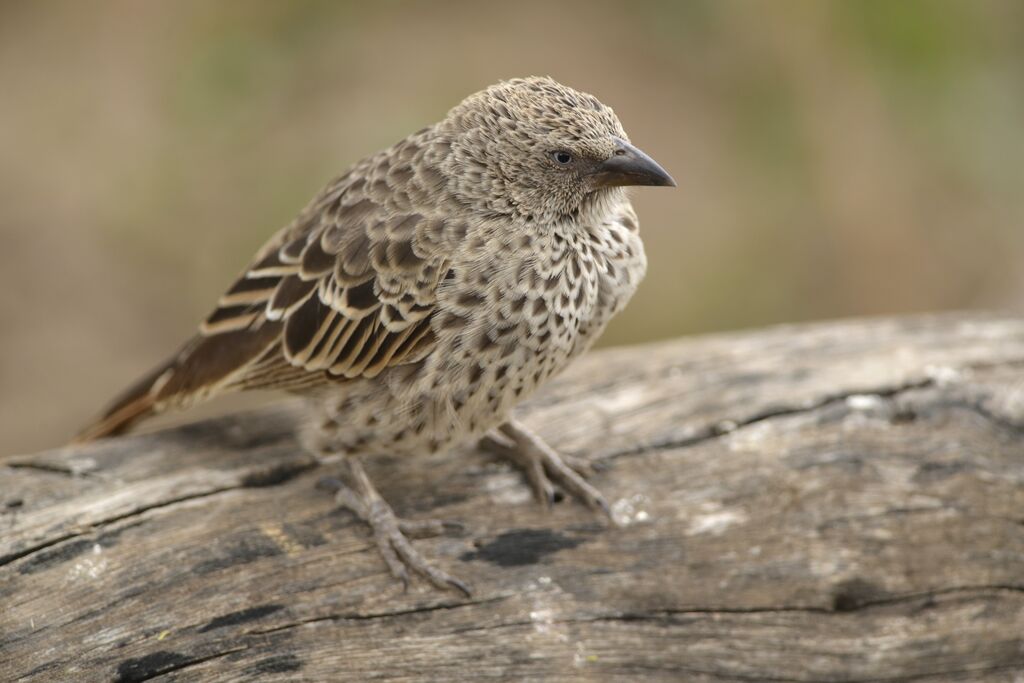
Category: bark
<point>832,502</point>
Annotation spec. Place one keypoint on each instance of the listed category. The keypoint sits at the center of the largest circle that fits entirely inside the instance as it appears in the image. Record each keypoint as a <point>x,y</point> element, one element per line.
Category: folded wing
<point>346,291</point>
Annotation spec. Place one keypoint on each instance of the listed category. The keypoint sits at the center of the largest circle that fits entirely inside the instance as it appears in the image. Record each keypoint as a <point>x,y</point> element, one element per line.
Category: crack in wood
<point>373,616</point>
<point>983,592</point>
<point>271,476</point>
<point>715,431</point>
<point>17,555</point>
<point>100,524</point>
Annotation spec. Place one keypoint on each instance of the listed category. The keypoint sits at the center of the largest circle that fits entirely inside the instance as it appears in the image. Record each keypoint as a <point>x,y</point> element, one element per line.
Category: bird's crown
<point>541,106</point>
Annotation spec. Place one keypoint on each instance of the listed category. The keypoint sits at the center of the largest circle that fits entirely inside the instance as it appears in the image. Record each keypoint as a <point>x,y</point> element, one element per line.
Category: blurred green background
<point>833,158</point>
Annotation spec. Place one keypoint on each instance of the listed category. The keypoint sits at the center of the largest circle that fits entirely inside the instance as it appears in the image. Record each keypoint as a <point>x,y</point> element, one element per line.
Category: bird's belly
<point>451,402</point>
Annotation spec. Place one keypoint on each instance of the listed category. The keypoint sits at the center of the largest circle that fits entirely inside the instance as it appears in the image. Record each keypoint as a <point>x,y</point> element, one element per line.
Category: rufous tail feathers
<point>204,367</point>
<point>137,403</point>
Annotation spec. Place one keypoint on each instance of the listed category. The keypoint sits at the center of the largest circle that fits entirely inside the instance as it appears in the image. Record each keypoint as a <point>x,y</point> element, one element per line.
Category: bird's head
<point>537,150</point>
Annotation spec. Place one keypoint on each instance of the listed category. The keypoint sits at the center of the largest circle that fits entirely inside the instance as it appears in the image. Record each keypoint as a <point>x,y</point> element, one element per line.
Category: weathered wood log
<point>834,502</point>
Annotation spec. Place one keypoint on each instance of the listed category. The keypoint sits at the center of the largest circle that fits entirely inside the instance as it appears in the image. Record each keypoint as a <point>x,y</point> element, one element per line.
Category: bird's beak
<point>629,166</point>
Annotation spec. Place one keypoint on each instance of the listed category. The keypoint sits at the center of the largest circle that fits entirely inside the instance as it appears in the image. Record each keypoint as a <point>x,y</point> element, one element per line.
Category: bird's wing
<point>350,293</point>
<point>348,290</point>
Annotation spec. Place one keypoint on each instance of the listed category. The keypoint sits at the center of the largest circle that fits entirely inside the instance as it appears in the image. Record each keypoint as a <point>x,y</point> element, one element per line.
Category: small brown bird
<point>427,290</point>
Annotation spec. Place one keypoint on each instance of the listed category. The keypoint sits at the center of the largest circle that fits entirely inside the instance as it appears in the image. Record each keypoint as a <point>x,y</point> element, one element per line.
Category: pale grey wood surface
<point>833,502</point>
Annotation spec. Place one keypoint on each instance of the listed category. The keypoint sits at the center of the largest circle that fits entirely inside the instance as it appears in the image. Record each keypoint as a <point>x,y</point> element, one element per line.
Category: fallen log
<point>831,502</point>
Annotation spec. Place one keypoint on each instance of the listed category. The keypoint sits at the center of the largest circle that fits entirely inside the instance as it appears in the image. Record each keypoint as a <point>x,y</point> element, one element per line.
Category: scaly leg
<point>389,531</point>
<point>543,465</point>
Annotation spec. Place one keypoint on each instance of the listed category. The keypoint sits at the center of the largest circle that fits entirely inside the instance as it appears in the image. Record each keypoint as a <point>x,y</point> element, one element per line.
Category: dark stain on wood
<point>146,667</point>
<point>61,553</point>
<point>521,547</point>
<point>854,594</point>
<point>251,546</point>
<point>65,552</point>
<point>241,617</point>
<point>304,535</point>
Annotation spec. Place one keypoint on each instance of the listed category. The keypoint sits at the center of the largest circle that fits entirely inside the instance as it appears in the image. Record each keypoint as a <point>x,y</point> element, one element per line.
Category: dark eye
<point>561,157</point>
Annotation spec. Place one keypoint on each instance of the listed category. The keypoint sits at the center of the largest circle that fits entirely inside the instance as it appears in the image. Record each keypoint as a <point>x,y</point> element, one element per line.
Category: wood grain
<point>833,502</point>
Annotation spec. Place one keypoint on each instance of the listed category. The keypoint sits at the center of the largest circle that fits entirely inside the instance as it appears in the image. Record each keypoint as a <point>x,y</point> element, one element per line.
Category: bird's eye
<point>561,157</point>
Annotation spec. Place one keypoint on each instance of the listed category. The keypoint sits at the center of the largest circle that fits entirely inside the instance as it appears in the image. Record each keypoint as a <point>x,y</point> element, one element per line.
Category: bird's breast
<point>531,300</point>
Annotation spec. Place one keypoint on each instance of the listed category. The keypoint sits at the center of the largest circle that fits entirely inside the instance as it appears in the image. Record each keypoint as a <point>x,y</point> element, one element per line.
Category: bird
<point>426,291</point>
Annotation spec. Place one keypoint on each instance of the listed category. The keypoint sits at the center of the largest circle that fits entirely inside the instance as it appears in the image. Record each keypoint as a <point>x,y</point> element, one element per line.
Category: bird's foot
<point>391,532</point>
<point>543,465</point>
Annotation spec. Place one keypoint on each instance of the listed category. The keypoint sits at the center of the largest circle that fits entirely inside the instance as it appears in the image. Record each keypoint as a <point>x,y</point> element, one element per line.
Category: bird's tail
<point>204,367</point>
<point>169,385</point>
<point>136,403</point>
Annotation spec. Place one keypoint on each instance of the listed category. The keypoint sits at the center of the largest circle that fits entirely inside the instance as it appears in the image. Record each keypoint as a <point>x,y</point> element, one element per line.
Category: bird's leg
<point>543,465</point>
<point>390,531</point>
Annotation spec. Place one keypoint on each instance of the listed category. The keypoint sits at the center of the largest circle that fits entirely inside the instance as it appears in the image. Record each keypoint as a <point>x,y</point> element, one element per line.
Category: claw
<point>389,531</point>
<point>543,464</point>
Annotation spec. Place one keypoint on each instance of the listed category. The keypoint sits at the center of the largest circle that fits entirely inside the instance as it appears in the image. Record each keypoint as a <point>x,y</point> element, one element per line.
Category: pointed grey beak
<point>629,166</point>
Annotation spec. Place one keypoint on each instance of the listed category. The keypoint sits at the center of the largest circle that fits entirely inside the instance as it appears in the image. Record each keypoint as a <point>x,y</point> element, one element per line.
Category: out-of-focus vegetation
<point>834,158</point>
